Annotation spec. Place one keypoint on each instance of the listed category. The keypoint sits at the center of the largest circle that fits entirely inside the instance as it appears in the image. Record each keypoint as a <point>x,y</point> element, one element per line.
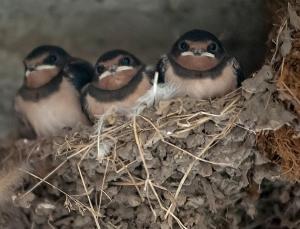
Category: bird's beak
<point>44,67</point>
<point>123,68</point>
<point>198,52</point>
<point>188,53</point>
<point>38,68</point>
<point>29,69</point>
<point>113,70</point>
<point>27,73</point>
<point>105,74</point>
<point>208,54</point>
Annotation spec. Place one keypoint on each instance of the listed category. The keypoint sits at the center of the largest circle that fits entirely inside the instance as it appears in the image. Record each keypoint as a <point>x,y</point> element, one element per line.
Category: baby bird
<point>198,66</point>
<point>49,99</point>
<point>120,81</point>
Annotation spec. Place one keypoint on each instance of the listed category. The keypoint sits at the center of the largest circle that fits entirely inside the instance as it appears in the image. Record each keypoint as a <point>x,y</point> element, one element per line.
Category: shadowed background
<point>86,28</point>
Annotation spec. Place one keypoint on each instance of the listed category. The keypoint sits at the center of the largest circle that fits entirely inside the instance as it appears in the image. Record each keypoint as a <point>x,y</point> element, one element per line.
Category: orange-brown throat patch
<point>117,80</point>
<point>39,78</point>
<point>197,63</point>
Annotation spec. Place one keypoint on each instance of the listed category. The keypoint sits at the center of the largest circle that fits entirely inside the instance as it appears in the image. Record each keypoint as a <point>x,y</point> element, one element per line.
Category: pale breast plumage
<point>51,114</point>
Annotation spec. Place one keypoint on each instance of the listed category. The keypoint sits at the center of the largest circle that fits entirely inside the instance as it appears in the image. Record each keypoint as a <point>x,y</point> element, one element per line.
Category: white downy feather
<point>155,94</point>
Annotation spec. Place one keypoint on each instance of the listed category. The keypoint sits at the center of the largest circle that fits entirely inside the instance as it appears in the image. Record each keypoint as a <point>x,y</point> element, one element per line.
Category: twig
<point>140,149</point>
<point>277,41</point>
<point>53,186</point>
<point>57,168</point>
<point>102,186</point>
<point>292,94</point>
<point>92,210</point>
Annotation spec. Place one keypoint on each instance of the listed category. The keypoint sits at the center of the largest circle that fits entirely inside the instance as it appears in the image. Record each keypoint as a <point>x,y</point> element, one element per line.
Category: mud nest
<point>232,162</point>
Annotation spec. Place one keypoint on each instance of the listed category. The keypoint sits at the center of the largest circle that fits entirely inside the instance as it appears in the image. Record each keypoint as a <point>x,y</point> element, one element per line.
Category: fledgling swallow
<point>49,99</point>
<point>198,66</point>
<point>120,80</point>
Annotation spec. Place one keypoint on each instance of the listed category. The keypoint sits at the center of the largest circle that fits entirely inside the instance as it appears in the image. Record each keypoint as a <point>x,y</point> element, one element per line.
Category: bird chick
<point>198,66</point>
<point>120,81</point>
<point>49,99</point>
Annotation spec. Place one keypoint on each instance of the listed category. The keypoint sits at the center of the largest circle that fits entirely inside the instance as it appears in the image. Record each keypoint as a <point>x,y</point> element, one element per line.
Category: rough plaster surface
<point>147,28</point>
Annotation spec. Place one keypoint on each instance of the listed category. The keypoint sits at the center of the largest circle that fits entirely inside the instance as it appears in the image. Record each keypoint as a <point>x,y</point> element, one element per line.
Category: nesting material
<point>286,55</point>
<point>182,164</point>
<point>289,77</point>
<point>282,147</point>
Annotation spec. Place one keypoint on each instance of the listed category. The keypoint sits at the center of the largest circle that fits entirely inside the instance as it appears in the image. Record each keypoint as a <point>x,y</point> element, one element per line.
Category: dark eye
<point>100,69</point>
<point>212,48</point>
<point>183,46</point>
<point>52,59</point>
<point>125,61</point>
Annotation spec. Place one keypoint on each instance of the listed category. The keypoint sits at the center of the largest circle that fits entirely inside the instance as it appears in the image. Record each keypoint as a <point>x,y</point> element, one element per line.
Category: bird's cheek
<point>104,83</point>
<point>36,79</point>
<point>117,81</point>
<point>124,77</point>
<point>111,83</point>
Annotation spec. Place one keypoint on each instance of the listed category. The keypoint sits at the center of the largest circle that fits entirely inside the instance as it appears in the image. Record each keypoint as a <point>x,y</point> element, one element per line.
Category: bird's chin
<point>109,83</point>
<point>197,62</point>
<point>36,79</point>
<point>104,83</point>
<point>117,80</point>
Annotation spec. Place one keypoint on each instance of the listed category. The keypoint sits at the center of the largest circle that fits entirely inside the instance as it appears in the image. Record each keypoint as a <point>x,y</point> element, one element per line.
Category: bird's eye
<point>100,69</point>
<point>52,59</point>
<point>183,46</point>
<point>125,61</point>
<point>212,48</point>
